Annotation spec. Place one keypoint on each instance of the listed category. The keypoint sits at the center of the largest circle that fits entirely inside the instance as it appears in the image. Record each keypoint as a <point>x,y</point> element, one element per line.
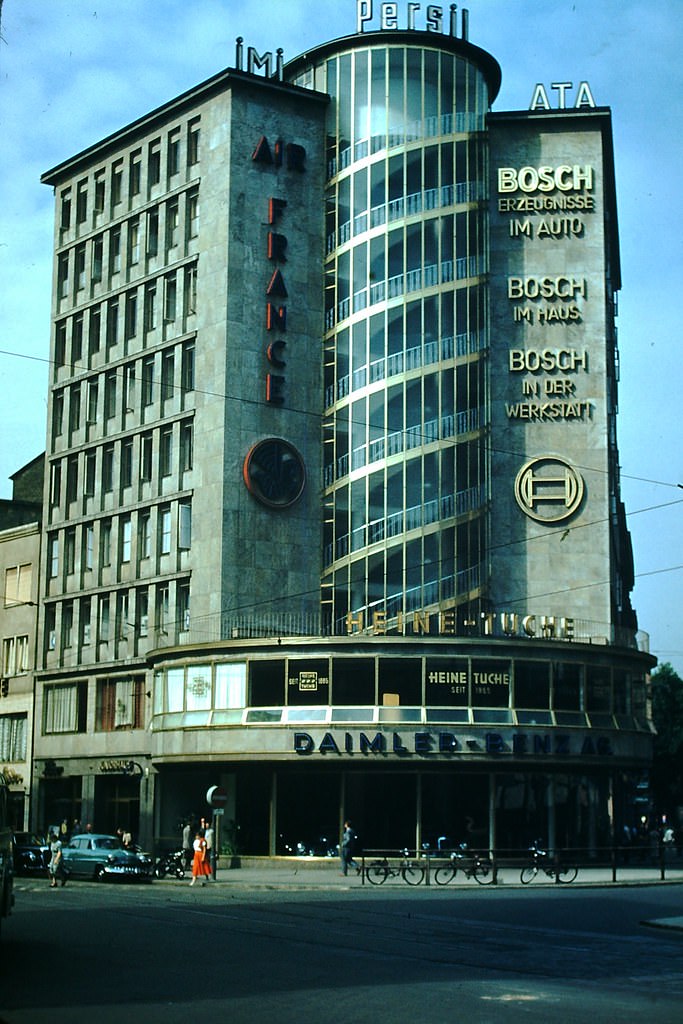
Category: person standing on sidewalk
<point>56,868</point>
<point>201,869</point>
<point>346,850</point>
<point>210,852</point>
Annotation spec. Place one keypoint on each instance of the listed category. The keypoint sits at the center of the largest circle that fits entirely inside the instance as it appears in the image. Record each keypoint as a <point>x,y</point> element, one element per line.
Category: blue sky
<point>73,71</point>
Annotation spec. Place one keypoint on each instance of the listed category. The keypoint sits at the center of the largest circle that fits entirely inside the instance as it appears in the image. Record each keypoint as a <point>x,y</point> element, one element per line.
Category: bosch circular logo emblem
<point>548,489</point>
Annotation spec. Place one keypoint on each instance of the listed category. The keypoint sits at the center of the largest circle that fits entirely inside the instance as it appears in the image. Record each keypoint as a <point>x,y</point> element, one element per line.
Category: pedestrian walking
<point>201,869</point>
<point>347,848</point>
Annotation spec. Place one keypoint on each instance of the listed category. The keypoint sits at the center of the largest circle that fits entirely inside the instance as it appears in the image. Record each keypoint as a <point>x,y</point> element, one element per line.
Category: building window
<point>79,267</point>
<point>84,618</point>
<point>15,655</point>
<point>167,374</point>
<point>153,232</point>
<point>57,413</point>
<point>144,535</point>
<point>185,525</point>
<point>97,257</point>
<point>55,483</point>
<point>88,545</point>
<point>116,183</point>
<point>94,330</point>
<point>115,251</point>
<point>135,176</point>
<point>90,470</point>
<point>133,242</point>
<point>67,624</point>
<point>62,279</point>
<point>193,215</point>
<point>74,407</point>
<point>65,708</point>
<point>13,732</point>
<point>70,550</point>
<point>129,387</point>
<point>183,610</point>
<point>186,446</point>
<point>154,162</point>
<point>173,152</point>
<point>127,464</point>
<point>147,381</point>
<point>92,393</point>
<point>131,317</point>
<point>151,306</point>
<point>165,531</point>
<point>71,479</point>
<point>108,468</point>
<point>77,341</point>
<point>81,202</point>
<point>103,616</point>
<point>65,217</point>
<point>162,607</point>
<point>170,295</point>
<point>126,537</point>
<point>146,449</point>
<point>50,630</point>
<point>18,579</point>
<point>172,224</point>
<point>110,395</point>
<point>193,143</point>
<point>112,323</point>
<point>231,686</point>
<point>122,615</point>
<point>99,191</point>
<point>142,611</point>
<point>187,366</point>
<point>53,556</point>
<point>120,704</point>
<point>166,451</point>
<point>190,290</point>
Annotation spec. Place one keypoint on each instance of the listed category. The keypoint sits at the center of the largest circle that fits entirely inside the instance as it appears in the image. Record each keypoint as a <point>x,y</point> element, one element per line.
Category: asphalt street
<point>307,945</point>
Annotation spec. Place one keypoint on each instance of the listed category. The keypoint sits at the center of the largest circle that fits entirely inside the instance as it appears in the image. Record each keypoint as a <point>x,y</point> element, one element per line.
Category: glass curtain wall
<point>405,465</point>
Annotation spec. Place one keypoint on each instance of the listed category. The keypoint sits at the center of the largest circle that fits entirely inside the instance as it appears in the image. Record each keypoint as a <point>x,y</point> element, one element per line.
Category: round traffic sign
<point>216,797</point>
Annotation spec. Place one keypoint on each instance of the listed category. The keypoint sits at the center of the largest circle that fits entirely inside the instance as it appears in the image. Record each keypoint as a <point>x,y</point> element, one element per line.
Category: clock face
<point>274,473</point>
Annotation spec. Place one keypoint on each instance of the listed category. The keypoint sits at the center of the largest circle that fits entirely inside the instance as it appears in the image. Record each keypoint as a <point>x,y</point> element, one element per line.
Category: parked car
<point>101,857</point>
<point>31,854</point>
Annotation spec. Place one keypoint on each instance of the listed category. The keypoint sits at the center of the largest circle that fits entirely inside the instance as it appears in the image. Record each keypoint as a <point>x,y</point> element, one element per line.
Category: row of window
<point>147,388</point>
<point>113,257</point>
<point>401,682</point>
<point>137,318</point>
<point>119,704</point>
<point>129,538</point>
<point>128,182</point>
<point>108,621</point>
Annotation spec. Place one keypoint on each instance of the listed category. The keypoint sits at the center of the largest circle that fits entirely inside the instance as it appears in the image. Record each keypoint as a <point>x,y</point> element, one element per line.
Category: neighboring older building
<point>20,522</point>
<point>333,516</point>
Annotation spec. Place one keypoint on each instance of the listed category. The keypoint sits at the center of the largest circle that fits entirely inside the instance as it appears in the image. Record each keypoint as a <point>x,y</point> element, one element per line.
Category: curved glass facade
<point>406,330</point>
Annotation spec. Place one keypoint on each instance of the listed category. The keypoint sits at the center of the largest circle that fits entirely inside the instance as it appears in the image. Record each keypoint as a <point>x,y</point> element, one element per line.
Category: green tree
<point>666,779</point>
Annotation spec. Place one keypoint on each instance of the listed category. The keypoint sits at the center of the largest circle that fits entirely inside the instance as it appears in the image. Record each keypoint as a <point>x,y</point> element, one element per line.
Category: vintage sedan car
<point>31,854</point>
<point>101,857</point>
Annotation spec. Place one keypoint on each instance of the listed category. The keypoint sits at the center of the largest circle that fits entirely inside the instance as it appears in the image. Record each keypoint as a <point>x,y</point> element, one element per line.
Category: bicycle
<point>563,873</point>
<point>472,865</point>
<point>411,871</point>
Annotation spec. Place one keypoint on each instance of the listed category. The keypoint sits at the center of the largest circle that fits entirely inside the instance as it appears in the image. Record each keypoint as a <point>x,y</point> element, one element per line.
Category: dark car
<point>101,857</point>
<point>31,854</point>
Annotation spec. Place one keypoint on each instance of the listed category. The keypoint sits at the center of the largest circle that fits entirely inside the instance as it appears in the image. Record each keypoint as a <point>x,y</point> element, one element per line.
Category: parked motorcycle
<point>171,864</point>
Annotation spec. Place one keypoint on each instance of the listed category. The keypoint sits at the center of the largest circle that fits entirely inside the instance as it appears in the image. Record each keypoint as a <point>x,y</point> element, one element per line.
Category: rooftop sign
<point>425,17</point>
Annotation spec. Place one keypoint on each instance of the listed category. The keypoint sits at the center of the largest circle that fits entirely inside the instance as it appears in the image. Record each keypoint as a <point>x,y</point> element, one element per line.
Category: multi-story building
<point>20,535</point>
<point>332,517</point>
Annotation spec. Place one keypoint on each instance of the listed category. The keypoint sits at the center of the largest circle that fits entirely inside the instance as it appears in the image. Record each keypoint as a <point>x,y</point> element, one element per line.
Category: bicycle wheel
<point>412,872</point>
<point>377,872</point>
<point>528,874</point>
<point>445,874</point>
<point>483,872</point>
<point>567,874</point>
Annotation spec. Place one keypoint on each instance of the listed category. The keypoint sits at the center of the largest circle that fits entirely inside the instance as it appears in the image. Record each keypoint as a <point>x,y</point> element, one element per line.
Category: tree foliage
<point>667,714</point>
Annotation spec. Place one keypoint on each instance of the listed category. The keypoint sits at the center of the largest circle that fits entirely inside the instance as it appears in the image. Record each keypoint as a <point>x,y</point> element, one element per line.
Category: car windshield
<point>108,843</point>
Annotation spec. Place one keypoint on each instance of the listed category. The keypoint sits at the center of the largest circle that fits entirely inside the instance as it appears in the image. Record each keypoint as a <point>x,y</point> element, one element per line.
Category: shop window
<point>567,679</point>
<point>400,682</point>
<point>532,684</point>
<point>490,683</point>
<point>447,682</point>
<point>267,683</point>
<point>353,681</point>
<point>308,681</point>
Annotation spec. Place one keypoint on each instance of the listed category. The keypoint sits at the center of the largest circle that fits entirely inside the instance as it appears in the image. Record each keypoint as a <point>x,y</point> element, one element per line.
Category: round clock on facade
<point>274,473</point>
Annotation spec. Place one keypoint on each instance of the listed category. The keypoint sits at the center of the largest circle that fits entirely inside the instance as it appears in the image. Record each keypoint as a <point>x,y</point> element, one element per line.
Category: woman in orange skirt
<point>201,868</point>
